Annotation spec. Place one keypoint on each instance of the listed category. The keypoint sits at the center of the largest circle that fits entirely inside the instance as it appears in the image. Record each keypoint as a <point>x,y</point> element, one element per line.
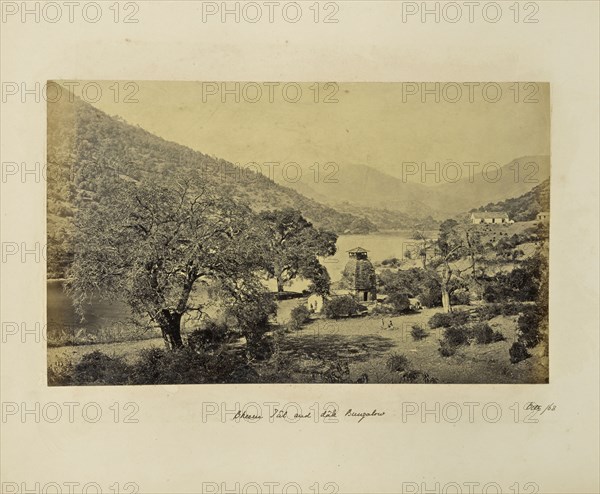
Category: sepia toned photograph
<point>307,233</point>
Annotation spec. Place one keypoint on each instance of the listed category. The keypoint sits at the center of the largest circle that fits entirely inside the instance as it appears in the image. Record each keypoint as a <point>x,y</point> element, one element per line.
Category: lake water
<point>61,314</point>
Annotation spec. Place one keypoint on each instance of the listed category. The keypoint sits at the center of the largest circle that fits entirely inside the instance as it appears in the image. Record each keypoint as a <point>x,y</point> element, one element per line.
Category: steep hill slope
<point>84,144</point>
<point>87,150</point>
<point>525,207</point>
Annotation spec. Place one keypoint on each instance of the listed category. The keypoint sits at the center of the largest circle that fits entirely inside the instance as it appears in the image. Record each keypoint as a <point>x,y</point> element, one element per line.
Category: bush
<point>382,310</point>
<point>336,372</point>
<point>414,281</point>
<point>430,298</point>
<point>159,366</point>
<point>529,327</point>
<point>518,352</point>
<point>344,306</point>
<point>446,349</point>
<point>98,368</point>
<point>456,336</point>
<point>299,316</point>
<point>418,332</point>
<point>60,373</point>
<point>460,297</point>
<point>483,333</point>
<point>399,302</point>
<point>260,348</point>
<point>445,320</point>
<point>396,362</point>
<point>185,366</point>
<point>209,338</point>
<point>489,311</point>
<point>521,284</point>
<point>415,376</point>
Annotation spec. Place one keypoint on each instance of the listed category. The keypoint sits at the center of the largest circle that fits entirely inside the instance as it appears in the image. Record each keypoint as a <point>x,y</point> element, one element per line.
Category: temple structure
<point>359,275</point>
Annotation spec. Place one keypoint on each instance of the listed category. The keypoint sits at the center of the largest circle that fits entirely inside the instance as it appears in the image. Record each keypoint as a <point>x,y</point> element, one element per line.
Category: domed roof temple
<point>360,275</point>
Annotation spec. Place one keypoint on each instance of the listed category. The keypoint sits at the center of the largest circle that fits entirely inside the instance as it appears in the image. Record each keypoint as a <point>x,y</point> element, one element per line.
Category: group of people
<point>390,325</point>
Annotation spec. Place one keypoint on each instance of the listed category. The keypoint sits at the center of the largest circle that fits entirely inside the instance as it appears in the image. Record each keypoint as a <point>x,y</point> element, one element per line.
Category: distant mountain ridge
<point>364,186</point>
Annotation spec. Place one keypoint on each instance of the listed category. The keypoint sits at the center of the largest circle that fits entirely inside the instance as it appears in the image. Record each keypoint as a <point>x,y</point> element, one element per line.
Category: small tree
<point>424,244</point>
<point>458,251</point>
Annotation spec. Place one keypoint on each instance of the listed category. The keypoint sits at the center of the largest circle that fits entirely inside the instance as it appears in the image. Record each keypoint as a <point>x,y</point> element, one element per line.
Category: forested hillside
<point>525,207</point>
<point>87,149</point>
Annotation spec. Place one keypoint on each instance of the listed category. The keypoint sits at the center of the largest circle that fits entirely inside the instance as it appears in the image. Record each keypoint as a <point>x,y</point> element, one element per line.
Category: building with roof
<point>359,275</point>
<point>543,216</point>
<point>490,218</point>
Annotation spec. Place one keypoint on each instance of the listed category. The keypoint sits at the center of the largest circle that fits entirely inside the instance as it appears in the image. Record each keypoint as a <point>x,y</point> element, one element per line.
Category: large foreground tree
<point>151,244</point>
<point>294,246</point>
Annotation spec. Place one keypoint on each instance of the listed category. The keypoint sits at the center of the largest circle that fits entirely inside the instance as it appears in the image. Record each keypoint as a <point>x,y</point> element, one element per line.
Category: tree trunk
<point>446,300</point>
<point>170,325</point>
<point>279,285</point>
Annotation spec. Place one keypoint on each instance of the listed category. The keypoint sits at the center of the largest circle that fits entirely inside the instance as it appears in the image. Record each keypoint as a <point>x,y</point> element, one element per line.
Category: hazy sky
<point>376,124</point>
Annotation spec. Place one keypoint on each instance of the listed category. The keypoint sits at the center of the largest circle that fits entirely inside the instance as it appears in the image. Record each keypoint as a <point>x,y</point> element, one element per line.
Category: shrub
<point>414,281</point>
<point>529,327</point>
<point>446,349</point>
<point>396,362</point>
<point>489,311</point>
<point>337,372</point>
<point>445,320</point>
<point>483,333</point>
<point>498,336</point>
<point>209,338</point>
<point>399,302</point>
<point>185,366</point>
<point>460,297</point>
<point>512,308</point>
<point>260,348</point>
<point>344,306</point>
<point>456,336</point>
<point>382,310</point>
<point>415,376</point>
<point>418,332</point>
<point>60,373</point>
<point>518,352</point>
<point>98,368</point>
<point>430,297</point>
<point>299,316</point>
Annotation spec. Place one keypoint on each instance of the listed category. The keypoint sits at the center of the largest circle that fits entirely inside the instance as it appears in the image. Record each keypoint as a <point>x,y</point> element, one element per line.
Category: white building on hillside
<point>543,216</point>
<point>490,218</point>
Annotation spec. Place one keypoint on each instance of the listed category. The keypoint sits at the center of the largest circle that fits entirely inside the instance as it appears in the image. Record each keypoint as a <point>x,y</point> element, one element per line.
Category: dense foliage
<point>342,306</point>
<point>293,248</point>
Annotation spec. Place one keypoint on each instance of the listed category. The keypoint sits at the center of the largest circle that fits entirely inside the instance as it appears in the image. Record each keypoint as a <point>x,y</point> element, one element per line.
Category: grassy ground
<point>367,342</point>
<point>129,350</point>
